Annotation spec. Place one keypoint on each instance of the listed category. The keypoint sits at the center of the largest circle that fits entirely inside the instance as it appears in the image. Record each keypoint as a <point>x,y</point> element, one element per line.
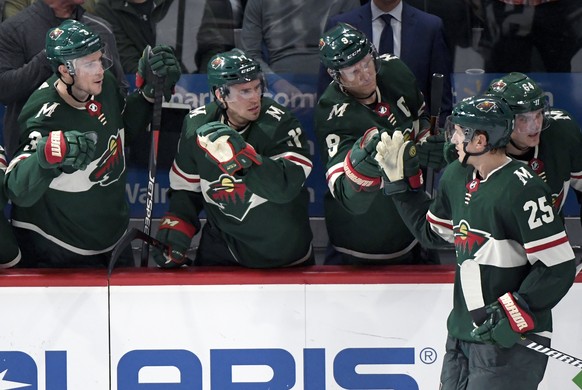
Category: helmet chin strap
<point>70,91</point>
<point>518,147</point>
<point>469,154</point>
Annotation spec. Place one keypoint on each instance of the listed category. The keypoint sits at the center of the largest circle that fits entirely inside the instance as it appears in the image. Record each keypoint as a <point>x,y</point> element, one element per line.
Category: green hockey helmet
<point>521,92</point>
<point>343,46</point>
<point>232,67</point>
<point>489,114</point>
<point>69,41</point>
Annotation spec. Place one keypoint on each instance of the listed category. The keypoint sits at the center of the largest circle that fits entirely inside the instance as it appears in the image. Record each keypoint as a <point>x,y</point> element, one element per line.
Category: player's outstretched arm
<point>402,181</point>
<point>31,171</point>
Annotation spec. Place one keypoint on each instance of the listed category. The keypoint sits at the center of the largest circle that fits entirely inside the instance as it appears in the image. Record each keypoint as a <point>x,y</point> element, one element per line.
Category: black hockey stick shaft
<point>128,237</point>
<point>436,96</point>
<point>153,162</point>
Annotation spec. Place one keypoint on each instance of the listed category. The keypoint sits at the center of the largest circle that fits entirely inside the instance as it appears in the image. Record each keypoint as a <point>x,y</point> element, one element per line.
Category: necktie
<point>386,39</point>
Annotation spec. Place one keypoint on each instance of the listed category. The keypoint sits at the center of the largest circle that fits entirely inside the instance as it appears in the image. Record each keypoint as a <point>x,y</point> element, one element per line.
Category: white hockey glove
<point>226,147</point>
<point>399,163</point>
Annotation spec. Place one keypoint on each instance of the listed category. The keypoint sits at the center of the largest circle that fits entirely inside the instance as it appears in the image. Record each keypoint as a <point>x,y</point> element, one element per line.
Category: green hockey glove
<point>450,152</point>
<point>158,61</point>
<point>399,163</point>
<point>177,234</point>
<point>507,319</point>
<point>226,147</point>
<point>430,152</point>
<point>360,167</point>
<point>66,149</point>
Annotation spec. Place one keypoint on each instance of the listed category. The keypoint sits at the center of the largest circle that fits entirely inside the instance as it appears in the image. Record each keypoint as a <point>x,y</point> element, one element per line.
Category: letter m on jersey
<point>47,110</point>
<point>523,175</point>
<point>275,112</point>
<point>337,110</point>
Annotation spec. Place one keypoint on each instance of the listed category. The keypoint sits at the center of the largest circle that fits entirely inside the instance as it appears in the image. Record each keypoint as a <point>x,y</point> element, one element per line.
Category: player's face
<point>89,71</point>
<point>527,128</point>
<point>244,102</point>
<point>458,139</point>
<point>360,78</point>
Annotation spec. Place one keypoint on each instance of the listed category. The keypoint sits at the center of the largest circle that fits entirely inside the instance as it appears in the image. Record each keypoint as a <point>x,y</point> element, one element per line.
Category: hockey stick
<point>436,96</point>
<point>152,166</point>
<point>470,276</point>
<point>136,234</point>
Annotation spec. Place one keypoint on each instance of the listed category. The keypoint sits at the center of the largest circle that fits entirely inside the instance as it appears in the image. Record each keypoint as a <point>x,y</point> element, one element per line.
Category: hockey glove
<point>450,152</point>
<point>226,147</point>
<point>177,234</point>
<point>399,163</point>
<point>507,319</point>
<point>430,152</point>
<point>158,61</point>
<point>360,167</point>
<point>66,149</point>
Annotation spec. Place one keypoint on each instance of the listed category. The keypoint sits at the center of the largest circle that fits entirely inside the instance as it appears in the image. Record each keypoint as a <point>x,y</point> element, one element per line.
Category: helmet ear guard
<point>70,67</point>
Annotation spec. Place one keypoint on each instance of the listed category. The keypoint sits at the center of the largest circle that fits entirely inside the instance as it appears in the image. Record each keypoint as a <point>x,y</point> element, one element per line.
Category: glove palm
<point>399,163</point>
<point>226,147</point>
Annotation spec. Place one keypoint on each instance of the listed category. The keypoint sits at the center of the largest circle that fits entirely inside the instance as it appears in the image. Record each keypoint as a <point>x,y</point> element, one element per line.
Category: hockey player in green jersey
<point>368,94</point>
<point>67,180</point>
<point>243,159</point>
<point>548,140</point>
<point>9,252</point>
<point>513,256</point>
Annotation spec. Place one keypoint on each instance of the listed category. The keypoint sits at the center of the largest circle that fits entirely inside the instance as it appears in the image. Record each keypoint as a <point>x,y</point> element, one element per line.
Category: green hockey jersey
<point>507,225</point>
<point>261,214</point>
<point>366,225</point>
<point>82,211</point>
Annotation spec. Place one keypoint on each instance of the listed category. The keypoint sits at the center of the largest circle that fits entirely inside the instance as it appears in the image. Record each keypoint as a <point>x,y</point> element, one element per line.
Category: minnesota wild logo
<point>231,196</point>
<point>468,241</point>
<point>111,164</point>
